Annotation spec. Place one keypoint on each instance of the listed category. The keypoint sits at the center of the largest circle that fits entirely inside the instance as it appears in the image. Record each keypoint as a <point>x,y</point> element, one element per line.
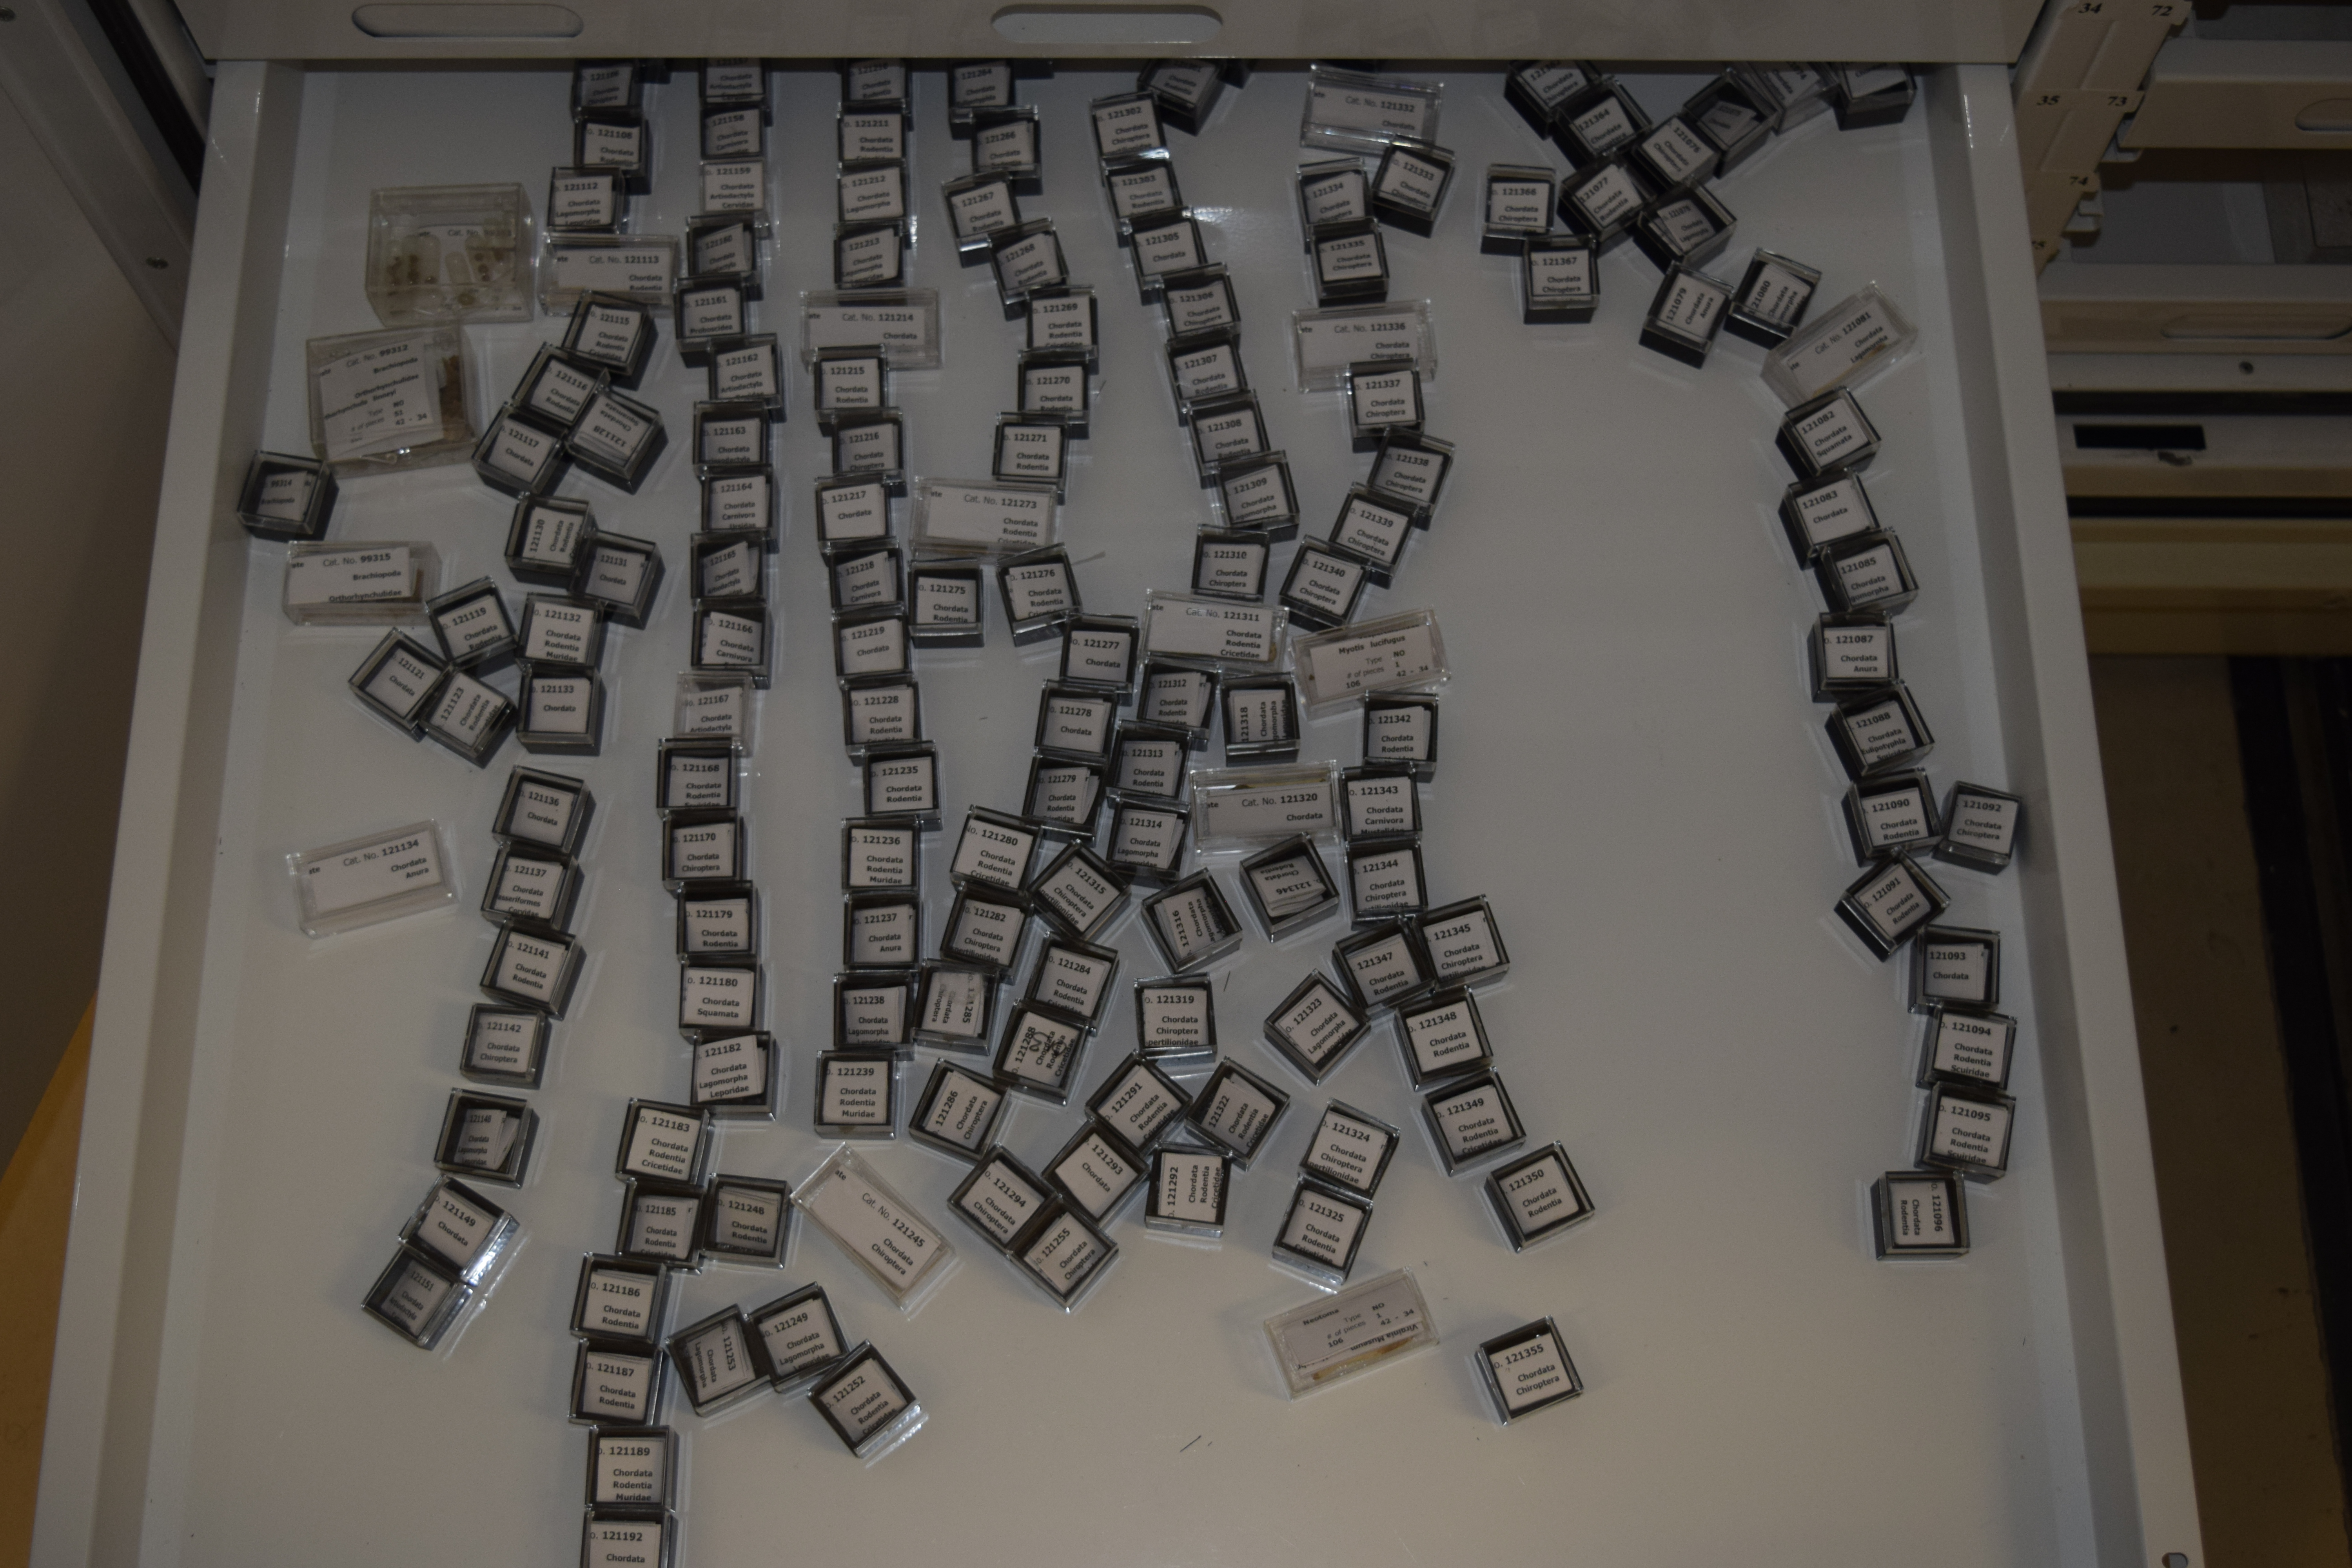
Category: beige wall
<point>85,392</point>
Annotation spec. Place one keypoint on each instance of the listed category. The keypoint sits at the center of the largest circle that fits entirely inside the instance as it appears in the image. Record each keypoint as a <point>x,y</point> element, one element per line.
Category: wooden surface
<point>35,1207</point>
<point>2268,1487</point>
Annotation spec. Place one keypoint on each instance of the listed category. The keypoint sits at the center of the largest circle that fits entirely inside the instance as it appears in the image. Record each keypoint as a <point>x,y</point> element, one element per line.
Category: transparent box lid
<point>450,253</point>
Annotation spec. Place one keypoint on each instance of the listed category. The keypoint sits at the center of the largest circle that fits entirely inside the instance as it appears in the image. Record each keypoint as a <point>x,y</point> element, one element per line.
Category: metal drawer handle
<point>2280,328</point>
<point>2327,114</point>
<point>405,20</point>
<point>1108,24</point>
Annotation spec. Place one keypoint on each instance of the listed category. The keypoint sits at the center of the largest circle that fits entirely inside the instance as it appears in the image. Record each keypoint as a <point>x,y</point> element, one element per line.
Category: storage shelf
<point>1631,774</point>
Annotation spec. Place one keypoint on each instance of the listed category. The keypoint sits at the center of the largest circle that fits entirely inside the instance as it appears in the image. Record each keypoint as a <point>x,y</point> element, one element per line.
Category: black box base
<point>1665,260</point>
<point>1974,862</point>
<point>629,486</point>
<point>1502,244</point>
<point>1879,947</point>
<point>1554,316</point>
<point>1412,220</point>
<point>1538,118</point>
<point>1763,337</point>
<point>1878,109</point>
<point>1674,348</point>
<point>593,748</point>
<point>1797,464</point>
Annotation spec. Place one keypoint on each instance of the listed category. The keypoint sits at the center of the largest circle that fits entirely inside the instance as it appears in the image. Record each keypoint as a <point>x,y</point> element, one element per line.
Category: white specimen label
<point>1139,1106</point>
<point>1974,1132</point>
<point>1471,1120</point>
<point>1859,332</point>
<point>1443,1038</point>
<point>800,1337</point>
<point>1540,1195</point>
<point>1348,1151</point>
<point>1832,434</point>
<point>1982,822</point>
<point>1409,181</point>
<point>1126,125</point>
<point>1190,923</point>
<point>731,1068</point>
<point>1236,1112</point>
<point>1462,946</point>
<point>1319,1024</point>
<point>625,1543</point>
<point>1190,1188</point>
<point>663,1226</point>
<point>1000,1201</point>
<point>379,399</point>
<point>986,517</point>
<point>1551,83</point>
<point>362,574</point>
<point>616,1388</point>
<point>663,1144</point>
<point>400,863</point>
<point>1268,811</point>
<point>1893,818</point>
<point>454,1227</point>
<point>542,813</point>
<point>703,851</point>
<point>1920,1212</point>
<point>1097,1175</point>
<point>632,1470</point>
<point>1777,295</point>
<point>850,512</point>
<point>1243,634</point>
<point>863,1399</point>
<point>962,1110</point>
<point>1517,203</point>
<point>1530,1373</point>
<point>1366,110</point>
<point>1398,657</point>
<point>1339,196</point>
<point>902,784</point>
<point>1065,1256</point>
<point>620,1303</point>
<point>719,998</point>
<point>894,1245</point>
<point>1958,972</point>
<point>873,1014</point>
<point>1559,274</point>
<point>1971,1047</point>
<point>908,330</point>
<point>1175,1019</point>
<point>1880,731</point>
<point>1892,902</point>
<point>643,271</point>
<point>1038,1050</point>
<point>1330,341</point>
<point>1385,969</point>
<point>1322,1228</point>
<point>855,1093</point>
<point>1351,1325</point>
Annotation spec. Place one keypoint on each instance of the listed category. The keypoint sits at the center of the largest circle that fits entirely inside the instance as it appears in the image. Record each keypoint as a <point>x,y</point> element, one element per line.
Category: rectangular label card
<point>905,324</point>
<point>1324,344</point>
